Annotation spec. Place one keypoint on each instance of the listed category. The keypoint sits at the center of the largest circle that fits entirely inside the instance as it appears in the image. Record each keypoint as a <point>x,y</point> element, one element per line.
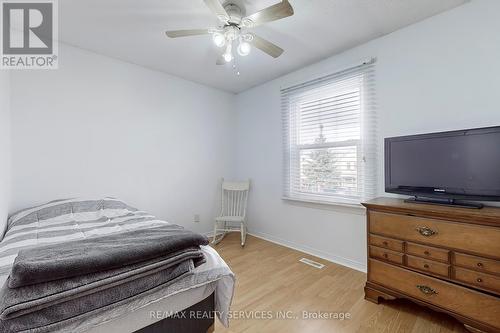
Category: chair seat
<point>229,219</point>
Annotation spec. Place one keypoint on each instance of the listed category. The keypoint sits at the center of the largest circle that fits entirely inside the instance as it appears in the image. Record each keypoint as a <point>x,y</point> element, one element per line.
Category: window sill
<point>327,205</point>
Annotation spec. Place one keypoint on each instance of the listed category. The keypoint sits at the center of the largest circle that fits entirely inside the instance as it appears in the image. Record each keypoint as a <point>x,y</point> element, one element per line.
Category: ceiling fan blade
<point>275,12</point>
<point>216,7</point>
<point>266,46</point>
<point>185,33</point>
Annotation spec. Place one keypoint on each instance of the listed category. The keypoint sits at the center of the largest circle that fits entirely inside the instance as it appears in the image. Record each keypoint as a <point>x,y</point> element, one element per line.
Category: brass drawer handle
<point>479,264</point>
<point>426,266</point>
<point>479,280</point>
<point>427,253</point>
<point>426,290</point>
<point>426,231</point>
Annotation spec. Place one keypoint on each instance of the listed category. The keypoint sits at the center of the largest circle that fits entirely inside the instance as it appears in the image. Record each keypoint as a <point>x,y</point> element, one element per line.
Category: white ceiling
<point>133,31</point>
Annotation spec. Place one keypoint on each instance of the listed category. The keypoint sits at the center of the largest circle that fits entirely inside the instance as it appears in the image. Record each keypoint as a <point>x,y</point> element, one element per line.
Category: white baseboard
<point>314,252</point>
<point>307,250</point>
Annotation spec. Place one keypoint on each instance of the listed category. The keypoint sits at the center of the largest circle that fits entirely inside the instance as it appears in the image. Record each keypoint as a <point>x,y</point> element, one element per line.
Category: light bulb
<point>244,49</point>
<point>219,39</point>
<point>228,57</point>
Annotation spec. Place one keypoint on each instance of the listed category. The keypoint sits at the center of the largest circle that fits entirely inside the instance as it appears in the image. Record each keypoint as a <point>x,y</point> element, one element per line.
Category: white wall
<point>101,127</point>
<point>440,74</point>
<point>5,149</point>
<point>98,126</point>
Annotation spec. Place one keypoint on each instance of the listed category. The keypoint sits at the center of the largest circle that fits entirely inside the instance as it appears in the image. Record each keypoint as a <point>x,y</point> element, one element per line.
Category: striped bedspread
<point>68,220</point>
<point>76,219</point>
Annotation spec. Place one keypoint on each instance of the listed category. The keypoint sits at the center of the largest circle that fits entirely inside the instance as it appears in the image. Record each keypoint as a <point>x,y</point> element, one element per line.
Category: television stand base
<point>445,202</point>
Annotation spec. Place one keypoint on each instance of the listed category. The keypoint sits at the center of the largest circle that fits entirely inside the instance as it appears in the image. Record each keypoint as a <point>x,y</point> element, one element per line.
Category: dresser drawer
<point>478,239</point>
<point>387,243</point>
<point>477,263</point>
<point>430,266</point>
<point>428,252</point>
<point>454,298</point>
<point>385,254</point>
<point>483,280</point>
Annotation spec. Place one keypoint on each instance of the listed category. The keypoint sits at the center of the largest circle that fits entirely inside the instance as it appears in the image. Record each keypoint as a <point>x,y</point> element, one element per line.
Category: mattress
<point>154,312</point>
<point>75,219</point>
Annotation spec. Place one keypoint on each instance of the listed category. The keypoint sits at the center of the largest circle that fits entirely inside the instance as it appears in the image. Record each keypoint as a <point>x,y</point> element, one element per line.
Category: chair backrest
<point>234,198</point>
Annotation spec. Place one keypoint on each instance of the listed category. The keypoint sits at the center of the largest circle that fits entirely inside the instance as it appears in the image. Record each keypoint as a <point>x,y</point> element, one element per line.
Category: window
<point>329,137</point>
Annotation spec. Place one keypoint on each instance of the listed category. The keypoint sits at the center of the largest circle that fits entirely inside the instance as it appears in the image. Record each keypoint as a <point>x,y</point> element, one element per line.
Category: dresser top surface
<point>486,215</point>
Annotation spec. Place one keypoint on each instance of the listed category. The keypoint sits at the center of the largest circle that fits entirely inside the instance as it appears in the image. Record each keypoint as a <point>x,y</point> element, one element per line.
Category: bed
<point>188,302</point>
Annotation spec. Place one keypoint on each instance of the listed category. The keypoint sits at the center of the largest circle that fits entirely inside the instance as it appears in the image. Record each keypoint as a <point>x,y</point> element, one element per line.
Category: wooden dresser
<point>445,258</point>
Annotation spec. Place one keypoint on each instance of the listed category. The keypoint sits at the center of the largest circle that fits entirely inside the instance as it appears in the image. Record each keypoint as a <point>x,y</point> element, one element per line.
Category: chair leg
<point>214,240</point>
<point>243,233</point>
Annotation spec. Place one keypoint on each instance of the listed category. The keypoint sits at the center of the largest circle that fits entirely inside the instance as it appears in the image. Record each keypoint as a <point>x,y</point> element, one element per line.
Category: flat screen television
<point>445,168</point>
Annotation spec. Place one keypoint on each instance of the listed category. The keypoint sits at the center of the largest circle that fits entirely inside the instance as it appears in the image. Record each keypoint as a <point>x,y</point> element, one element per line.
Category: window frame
<point>294,147</point>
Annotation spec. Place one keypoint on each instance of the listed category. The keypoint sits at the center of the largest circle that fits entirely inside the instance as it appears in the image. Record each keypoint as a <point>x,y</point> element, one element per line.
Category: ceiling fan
<point>233,26</point>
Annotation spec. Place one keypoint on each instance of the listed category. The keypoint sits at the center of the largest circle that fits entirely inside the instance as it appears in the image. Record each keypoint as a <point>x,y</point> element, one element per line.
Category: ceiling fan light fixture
<point>244,49</point>
<point>219,39</point>
<point>231,33</point>
<point>247,22</point>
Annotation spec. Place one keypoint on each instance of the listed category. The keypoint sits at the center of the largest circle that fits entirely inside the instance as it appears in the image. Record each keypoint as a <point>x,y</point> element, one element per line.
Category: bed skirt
<point>199,318</point>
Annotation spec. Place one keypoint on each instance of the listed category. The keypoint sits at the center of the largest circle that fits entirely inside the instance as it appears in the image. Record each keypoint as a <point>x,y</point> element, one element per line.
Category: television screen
<point>460,164</point>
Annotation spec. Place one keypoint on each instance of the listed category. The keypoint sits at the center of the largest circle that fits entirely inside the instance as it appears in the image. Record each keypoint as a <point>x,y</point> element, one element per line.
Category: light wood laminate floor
<point>271,281</point>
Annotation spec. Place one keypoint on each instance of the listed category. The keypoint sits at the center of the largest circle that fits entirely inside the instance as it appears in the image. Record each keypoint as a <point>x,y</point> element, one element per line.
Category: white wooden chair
<point>234,198</point>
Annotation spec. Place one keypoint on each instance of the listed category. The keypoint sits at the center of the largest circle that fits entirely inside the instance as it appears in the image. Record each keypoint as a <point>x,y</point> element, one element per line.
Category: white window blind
<point>329,132</point>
